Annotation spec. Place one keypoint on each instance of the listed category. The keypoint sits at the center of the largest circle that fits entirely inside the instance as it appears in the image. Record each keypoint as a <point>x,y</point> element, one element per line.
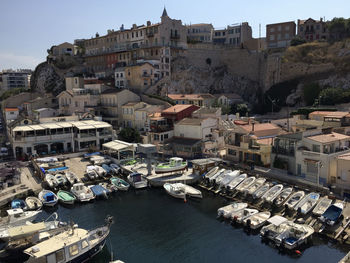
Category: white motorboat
<point>294,235</point>
<point>272,193</point>
<point>175,164</point>
<point>120,184</point>
<point>257,220</point>
<point>245,184</point>
<point>91,172</point>
<point>175,191</point>
<point>191,191</point>
<point>261,191</point>
<point>228,178</point>
<point>218,179</point>
<point>282,197</point>
<point>211,172</point>
<point>137,180</point>
<point>72,245</point>
<point>243,214</point>
<point>307,203</point>
<point>48,197</point>
<point>213,177</point>
<point>254,186</point>
<point>33,203</point>
<point>115,168</point>
<point>51,181</point>
<point>236,181</point>
<point>226,211</point>
<point>16,217</point>
<point>100,171</point>
<point>277,225</point>
<point>82,192</point>
<point>60,179</point>
<point>333,214</point>
<point>72,177</point>
<point>322,206</point>
<point>294,198</point>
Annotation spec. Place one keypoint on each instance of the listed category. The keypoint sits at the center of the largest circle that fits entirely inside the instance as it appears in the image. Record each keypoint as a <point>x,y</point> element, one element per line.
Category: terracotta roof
<point>267,141</point>
<point>177,108</point>
<point>259,127</point>
<point>190,121</point>
<point>229,96</point>
<point>334,114</point>
<point>331,137</point>
<point>189,96</point>
<point>11,109</point>
<point>344,157</point>
<point>131,103</point>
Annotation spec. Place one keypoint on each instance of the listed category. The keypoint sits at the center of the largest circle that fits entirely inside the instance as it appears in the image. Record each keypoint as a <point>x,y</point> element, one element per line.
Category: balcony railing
<point>174,36</point>
<point>283,151</point>
<point>150,34</point>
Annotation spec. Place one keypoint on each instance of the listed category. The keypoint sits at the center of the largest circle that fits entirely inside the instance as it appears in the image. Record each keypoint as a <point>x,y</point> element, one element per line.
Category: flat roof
<point>190,121</point>
<point>331,137</point>
<point>118,145</point>
<point>177,108</point>
<point>11,109</point>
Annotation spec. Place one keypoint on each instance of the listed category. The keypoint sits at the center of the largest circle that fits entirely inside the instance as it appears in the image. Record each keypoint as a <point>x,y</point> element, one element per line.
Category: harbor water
<point>151,226</point>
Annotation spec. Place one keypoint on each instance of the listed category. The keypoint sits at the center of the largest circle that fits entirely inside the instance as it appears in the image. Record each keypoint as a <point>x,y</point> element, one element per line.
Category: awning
<point>51,126</point>
<point>86,127</point>
<point>65,124</point>
<point>22,128</point>
<point>277,220</point>
<point>311,161</point>
<point>37,127</point>
<point>118,145</point>
<point>105,125</point>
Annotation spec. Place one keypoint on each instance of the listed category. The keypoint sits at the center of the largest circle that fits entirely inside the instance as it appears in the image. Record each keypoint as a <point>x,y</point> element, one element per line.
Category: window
<point>301,29</point>
<point>60,256</point>
<point>286,36</point>
<point>73,250</point>
<point>117,75</point>
<point>279,37</point>
<point>311,168</point>
<point>272,37</point>
<point>315,148</point>
<point>279,28</point>
<point>232,152</point>
<point>84,244</point>
<point>272,30</point>
<point>166,136</point>
<point>286,28</point>
<point>76,104</point>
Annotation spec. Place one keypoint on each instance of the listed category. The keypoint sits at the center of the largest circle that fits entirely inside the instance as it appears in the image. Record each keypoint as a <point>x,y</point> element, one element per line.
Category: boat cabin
<point>175,161</point>
<point>78,187</point>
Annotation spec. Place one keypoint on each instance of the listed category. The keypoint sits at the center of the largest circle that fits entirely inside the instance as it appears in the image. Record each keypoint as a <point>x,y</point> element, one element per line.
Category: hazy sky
<point>29,27</point>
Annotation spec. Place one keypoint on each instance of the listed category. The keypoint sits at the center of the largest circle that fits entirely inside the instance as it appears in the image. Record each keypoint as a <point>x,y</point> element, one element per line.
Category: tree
<point>311,92</point>
<point>130,135</point>
<point>339,28</point>
<point>242,109</point>
<point>297,41</point>
<point>331,96</point>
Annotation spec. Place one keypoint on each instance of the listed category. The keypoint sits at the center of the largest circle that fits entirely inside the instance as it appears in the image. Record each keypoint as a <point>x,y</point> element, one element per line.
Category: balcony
<point>283,151</point>
<point>175,37</point>
<point>150,34</point>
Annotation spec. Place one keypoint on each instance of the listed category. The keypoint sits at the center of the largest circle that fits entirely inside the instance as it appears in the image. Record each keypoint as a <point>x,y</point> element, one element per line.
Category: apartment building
<point>11,114</point>
<point>19,78</point>
<point>279,35</point>
<point>311,30</point>
<point>234,35</point>
<point>227,99</point>
<point>63,49</point>
<point>201,100</point>
<point>58,135</point>
<point>200,32</point>
<point>142,75</point>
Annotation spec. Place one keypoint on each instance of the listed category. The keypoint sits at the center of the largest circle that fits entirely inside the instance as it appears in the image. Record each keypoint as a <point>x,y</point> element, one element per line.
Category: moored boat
<point>60,179</point>
<point>294,198</point>
<point>228,178</point>
<point>175,164</point>
<point>120,184</point>
<point>51,181</point>
<point>294,235</point>
<point>261,191</point>
<point>272,193</point>
<point>18,203</point>
<point>282,197</point>
<point>137,180</point>
<point>226,211</point>
<point>322,206</point>
<point>48,198</point>
<point>254,186</point>
<point>175,191</point>
<point>257,220</point>
<point>99,191</point>
<point>243,214</point>
<point>33,203</point>
<point>107,168</point>
<point>307,203</point>
<point>236,181</point>
<point>72,177</point>
<point>191,191</point>
<point>66,197</point>
<point>91,172</point>
<point>333,214</point>
<point>115,168</point>
<point>82,193</point>
<point>17,217</point>
<point>211,172</point>
<point>277,225</point>
<point>245,184</point>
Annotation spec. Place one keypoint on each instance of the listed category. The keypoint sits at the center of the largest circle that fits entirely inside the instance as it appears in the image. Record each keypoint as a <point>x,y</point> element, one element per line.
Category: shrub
<point>311,92</point>
<point>331,96</point>
<point>130,135</point>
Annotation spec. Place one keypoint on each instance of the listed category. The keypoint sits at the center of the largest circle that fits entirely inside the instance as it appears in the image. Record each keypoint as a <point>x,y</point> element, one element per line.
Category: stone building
<point>279,35</point>
<point>311,30</point>
<point>234,35</point>
<point>200,32</point>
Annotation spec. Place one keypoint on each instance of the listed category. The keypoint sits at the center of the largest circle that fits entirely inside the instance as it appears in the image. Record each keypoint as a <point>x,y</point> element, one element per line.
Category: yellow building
<point>142,75</point>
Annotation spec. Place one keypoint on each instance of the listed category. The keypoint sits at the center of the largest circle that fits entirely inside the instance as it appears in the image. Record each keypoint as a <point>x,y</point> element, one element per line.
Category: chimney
<point>148,23</point>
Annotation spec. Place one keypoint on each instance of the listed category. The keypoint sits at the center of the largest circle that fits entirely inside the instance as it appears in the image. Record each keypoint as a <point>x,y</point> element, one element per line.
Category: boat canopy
<point>99,190</point>
<point>49,197</point>
<point>87,155</point>
<point>277,220</point>
<point>58,169</point>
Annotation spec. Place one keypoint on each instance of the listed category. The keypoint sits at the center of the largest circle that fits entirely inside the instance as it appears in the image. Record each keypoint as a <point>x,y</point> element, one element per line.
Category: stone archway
<point>41,149</point>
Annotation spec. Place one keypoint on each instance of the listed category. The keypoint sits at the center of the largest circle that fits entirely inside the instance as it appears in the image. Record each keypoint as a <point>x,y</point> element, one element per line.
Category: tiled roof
<point>190,121</point>
<point>335,114</point>
<point>189,96</point>
<point>331,137</point>
<point>177,108</point>
<point>11,109</point>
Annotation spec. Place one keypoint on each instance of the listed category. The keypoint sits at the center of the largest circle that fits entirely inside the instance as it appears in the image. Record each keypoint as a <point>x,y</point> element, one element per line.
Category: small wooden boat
<point>261,191</point>
<point>307,203</point>
<point>137,180</point>
<point>226,211</point>
<point>72,177</point>
<point>99,191</point>
<point>120,184</point>
<point>243,214</point>
<point>294,199</point>
<point>282,197</point>
<point>175,191</point>
<point>33,203</point>
<point>18,203</point>
<point>82,192</point>
<point>257,220</point>
<point>272,193</point>
<point>66,197</point>
<point>51,181</point>
<point>322,206</point>
<point>236,181</point>
<point>175,164</point>
<point>48,198</point>
<point>245,184</point>
<point>254,186</point>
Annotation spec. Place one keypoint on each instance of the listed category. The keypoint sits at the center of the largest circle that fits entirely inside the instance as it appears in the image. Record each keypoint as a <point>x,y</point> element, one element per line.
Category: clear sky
<point>29,27</point>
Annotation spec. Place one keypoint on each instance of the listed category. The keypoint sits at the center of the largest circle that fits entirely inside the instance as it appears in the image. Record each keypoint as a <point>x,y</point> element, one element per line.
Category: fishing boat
<point>307,203</point>
<point>272,193</point>
<point>236,181</point>
<point>243,214</point>
<point>254,186</point>
<point>100,171</point>
<point>61,179</point>
<point>72,245</point>
<point>175,164</point>
<point>82,193</point>
<point>211,172</point>
<point>282,197</point>
<point>99,191</point>
<point>115,168</point>
<point>72,177</point>
<point>226,211</point>
<point>322,206</point>
<point>17,217</point>
<point>120,184</point>
<point>294,235</point>
<point>26,230</point>
<point>65,197</point>
<point>51,181</point>
<point>91,172</point>
<point>107,168</point>
<point>110,187</point>
<point>333,214</point>
<point>218,179</point>
<point>245,184</point>
<point>257,220</point>
<point>210,180</point>
<point>191,191</point>
<point>33,203</point>
<point>48,198</point>
<point>277,225</point>
<point>261,191</point>
<point>228,178</point>
<point>294,198</point>
<point>175,191</point>
<point>18,203</point>
<point>137,180</point>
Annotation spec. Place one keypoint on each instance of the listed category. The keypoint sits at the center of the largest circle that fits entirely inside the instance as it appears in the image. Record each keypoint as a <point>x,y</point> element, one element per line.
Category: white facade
<point>195,128</point>
<point>11,114</point>
<point>120,80</point>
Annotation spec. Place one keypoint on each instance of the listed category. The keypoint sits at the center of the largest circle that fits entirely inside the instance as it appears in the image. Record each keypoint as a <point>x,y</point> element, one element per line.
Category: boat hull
<point>169,170</point>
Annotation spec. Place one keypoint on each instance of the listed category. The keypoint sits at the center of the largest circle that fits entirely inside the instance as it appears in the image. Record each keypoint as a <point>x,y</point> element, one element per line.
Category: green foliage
<point>130,135</point>
<point>339,28</point>
<point>280,164</point>
<point>167,99</point>
<point>297,41</point>
<point>307,111</point>
<point>331,96</point>
<point>242,109</point>
<point>12,92</point>
<point>311,92</point>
